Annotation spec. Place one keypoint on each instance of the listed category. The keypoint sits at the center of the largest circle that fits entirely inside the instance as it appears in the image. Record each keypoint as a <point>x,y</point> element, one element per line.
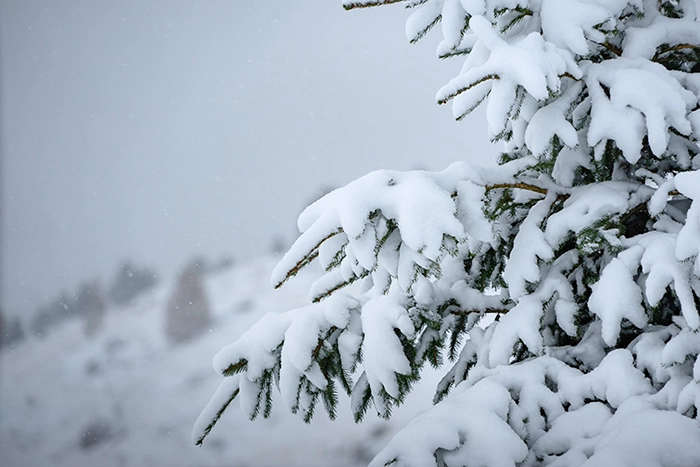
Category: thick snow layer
<point>647,438</point>
<point>476,433</point>
<point>568,23</point>
<point>529,245</point>
<point>644,41</point>
<point>531,62</point>
<point>550,121</point>
<point>625,114</point>
<point>572,431</point>
<point>663,269</point>
<point>687,244</point>
<point>419,202</point>
<point>546,403</point>
<point>591,203</point>
<point>423,18</point>
<point>383,353</point>
<point>522,322</point>
<point>617,296</point>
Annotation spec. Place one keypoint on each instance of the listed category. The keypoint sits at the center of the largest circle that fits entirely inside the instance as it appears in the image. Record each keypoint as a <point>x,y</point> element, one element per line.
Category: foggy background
<point>160,130</point>
<point>157,131</point>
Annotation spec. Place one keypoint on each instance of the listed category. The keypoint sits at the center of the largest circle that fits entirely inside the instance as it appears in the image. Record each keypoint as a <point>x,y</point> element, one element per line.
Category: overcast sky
<point>160,130</point>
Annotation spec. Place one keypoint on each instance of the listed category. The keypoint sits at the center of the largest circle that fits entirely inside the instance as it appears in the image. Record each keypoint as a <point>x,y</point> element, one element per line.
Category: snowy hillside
<point>129,398</point>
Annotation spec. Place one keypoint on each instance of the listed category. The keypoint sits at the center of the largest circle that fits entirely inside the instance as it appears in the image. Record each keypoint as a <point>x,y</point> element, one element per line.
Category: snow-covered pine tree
<point>559,290</point>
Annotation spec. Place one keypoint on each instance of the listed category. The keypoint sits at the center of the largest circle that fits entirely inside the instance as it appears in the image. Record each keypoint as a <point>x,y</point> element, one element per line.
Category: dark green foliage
<point>601,236</point>
<point>521,353</point>
<point>511,17</point>
<point>240,366</point>
<point>670,8</point>
<point>363,392</point>
<point>683,57</point>
<point>264,400</point>
<point>217,416</point>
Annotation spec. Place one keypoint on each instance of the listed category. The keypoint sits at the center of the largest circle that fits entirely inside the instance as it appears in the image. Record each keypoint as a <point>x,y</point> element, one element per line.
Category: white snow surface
<point>567,23</point>
<point>145,394</point>
<point>655,102</point>
<point>548,403</point>
<point>383,354</point>
<point>616,295</point>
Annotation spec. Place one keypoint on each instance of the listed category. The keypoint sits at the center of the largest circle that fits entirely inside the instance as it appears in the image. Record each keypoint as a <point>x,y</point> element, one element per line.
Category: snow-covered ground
<point>129,398</point>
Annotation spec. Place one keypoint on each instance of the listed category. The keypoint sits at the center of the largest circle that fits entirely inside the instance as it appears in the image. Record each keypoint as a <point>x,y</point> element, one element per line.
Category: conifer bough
<point>583,243</point>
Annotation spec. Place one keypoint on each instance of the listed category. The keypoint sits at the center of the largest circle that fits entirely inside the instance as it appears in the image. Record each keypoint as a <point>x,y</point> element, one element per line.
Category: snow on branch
<point>353,4</point>
<point>622,113</point>
<point>536,410</point>
<point>581,246</point>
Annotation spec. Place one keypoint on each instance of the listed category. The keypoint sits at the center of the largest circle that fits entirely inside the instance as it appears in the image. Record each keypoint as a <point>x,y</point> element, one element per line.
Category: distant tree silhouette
<point>10,330</point>
<point>90,305</point>
<point>130,282</point>
<point>187,313</point>
<point>49,316</point>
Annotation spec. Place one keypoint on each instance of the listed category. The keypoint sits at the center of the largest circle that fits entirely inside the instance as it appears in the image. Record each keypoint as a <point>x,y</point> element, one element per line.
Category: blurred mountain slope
<point>128,397</point>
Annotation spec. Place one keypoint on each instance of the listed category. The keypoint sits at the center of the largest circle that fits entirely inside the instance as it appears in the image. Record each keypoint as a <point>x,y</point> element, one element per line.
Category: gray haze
<point>157,130</point>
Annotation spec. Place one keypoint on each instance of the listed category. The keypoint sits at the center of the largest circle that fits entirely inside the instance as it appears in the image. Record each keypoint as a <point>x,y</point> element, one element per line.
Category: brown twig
<point>613,48</point>
<point>522,186</point>
<point>675,48</point>
<point>318,348</point>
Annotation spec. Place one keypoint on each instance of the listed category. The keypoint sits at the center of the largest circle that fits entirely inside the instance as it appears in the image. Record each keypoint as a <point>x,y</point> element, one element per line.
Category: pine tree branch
<point>421,34</point>
<point>543,191</point>
<point>313,253</point>
<point>233,369</point>
<point>368,4</point>
<point>307,258</point>
<point>521,185</point>
<point>319,346</point>
<point>216,418</point>
<point>485,311</point>
<point>612,48</point>
<point>569,75</point>
<point>447,98</point>
<point>339,286</point>
<point>674,48</point>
